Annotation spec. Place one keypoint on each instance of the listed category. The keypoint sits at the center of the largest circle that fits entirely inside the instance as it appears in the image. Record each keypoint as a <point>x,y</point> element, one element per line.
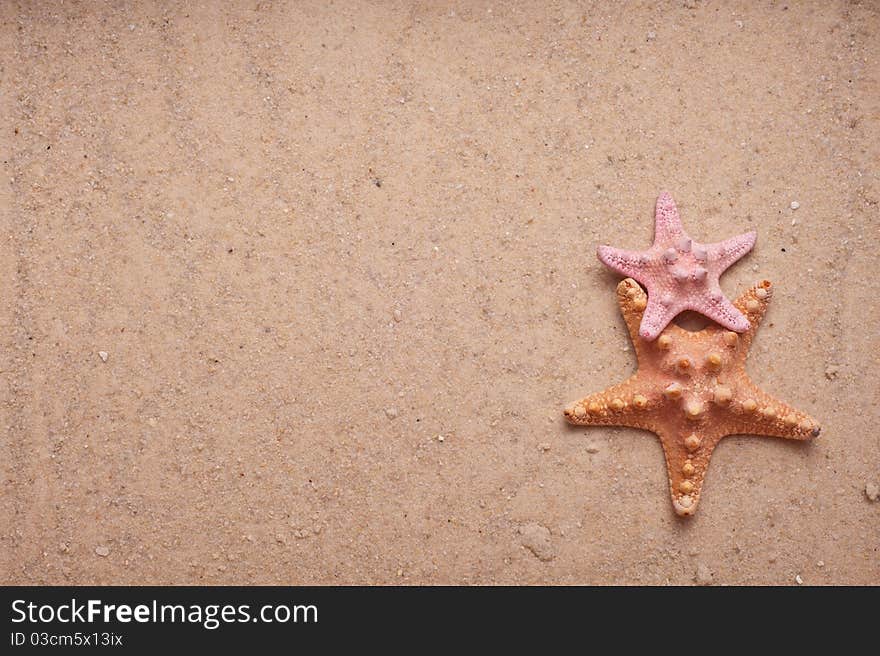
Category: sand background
<point>312,238</point>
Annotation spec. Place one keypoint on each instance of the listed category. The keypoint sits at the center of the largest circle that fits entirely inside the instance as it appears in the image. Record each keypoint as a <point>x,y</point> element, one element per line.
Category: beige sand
<point>311,240</point>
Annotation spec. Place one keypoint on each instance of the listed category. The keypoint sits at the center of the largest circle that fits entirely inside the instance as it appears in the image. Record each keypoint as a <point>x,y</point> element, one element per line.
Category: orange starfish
<point>691,389</point>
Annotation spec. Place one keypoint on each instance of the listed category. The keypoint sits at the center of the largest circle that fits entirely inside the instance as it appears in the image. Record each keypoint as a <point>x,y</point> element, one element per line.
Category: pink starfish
<point>679,273</point>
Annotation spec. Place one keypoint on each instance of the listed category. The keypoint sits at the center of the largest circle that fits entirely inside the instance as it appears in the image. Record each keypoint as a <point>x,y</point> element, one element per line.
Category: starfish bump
<point>680,273</point>
<point>691,389</point>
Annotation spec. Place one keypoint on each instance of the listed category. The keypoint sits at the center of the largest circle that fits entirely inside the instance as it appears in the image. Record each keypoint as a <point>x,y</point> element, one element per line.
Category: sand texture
<point>297,292</point>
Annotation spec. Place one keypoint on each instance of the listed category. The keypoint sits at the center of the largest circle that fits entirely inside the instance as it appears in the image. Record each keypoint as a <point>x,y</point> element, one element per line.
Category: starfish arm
<point>753,304</point>
<point>667,222</point>
<point>687,469</point>
<point>619,405</point>
<point>633,301</point>
<point>657,316</point>
<point>627,263</point>
<point>724,253</point>
<point>718,308</point>
<point>754,412</point>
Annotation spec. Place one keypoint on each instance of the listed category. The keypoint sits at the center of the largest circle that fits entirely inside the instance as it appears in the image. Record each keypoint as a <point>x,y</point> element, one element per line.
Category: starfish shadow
<point>691,321</point>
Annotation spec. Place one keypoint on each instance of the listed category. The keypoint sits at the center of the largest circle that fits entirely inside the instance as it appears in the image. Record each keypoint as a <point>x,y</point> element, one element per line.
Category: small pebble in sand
<point>391,412</point>
<point>650,36</point>
<point>872,491</point>
<point>398,316</point>
<point>794,205</point>
<point>544,446</point>
<point>103,355</point>
<point>102,551</point>
<point>536,538</point>
<point>798,580</point>
<point>831,371</point>
<point>703,575</point>
<point>821,563</point>
<point>592,447</point>
<point>441,438</point>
